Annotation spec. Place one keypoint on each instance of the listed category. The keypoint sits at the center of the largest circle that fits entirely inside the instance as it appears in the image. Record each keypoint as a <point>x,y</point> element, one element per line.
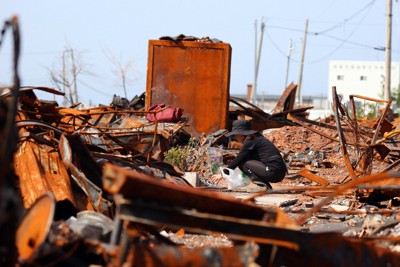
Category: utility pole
<point>388,50</point>
<point>299,99</point>
<point>288,61</point>
<point>255,61</point>
<point>253,95</point>
<point>255,42</point>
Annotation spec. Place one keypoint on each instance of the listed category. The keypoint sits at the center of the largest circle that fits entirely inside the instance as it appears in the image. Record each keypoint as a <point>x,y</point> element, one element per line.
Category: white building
<point>366,78</point>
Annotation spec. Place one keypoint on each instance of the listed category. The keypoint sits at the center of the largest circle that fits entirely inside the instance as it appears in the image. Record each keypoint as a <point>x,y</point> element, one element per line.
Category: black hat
<point>241,127</point>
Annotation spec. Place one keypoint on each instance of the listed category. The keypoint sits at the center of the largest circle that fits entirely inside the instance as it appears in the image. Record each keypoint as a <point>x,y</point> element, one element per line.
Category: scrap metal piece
<point>92,191</point>
<point>318,179</point>
<point>34,227</point>
<point>278,118</point>
<point>336,108</point>
<point>7,90</point>
<point>134,185</point>
<point>376,179</point>
<point>287,99</point>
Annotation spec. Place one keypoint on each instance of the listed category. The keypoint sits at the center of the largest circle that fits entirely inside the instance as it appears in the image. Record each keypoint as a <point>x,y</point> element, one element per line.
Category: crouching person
<point>258,158</point>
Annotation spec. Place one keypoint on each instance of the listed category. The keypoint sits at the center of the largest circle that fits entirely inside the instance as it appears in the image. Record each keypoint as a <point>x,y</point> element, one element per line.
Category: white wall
<point>352,84</point>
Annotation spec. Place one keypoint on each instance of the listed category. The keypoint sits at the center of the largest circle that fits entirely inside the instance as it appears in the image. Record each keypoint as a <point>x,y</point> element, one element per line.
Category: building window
<point>340,77</point>
<point>363,78</point>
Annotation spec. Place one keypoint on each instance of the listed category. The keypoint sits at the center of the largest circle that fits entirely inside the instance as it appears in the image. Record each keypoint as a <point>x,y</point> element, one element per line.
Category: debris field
<point>129,183</point>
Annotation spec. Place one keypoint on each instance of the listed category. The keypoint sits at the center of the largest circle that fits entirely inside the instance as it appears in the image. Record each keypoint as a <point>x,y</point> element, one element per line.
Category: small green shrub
<point>176,156</point>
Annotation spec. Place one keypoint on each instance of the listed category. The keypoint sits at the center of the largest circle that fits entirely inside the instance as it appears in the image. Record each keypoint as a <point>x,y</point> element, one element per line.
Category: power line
<point>347,19</point>
<point>350,42</point>
<point>279,50</point>
<point>343,41</point>
<point>323,33</point>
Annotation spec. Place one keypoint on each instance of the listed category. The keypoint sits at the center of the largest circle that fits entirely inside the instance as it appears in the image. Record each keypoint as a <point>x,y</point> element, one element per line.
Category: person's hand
<point>216,178</point>
<point>235,144</point>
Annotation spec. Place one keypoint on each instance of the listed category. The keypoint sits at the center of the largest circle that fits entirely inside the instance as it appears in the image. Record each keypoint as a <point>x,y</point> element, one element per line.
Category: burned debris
<point>127,185</point>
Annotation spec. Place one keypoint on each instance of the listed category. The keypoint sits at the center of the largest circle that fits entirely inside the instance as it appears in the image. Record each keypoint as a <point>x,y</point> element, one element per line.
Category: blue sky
<point>101,30</point>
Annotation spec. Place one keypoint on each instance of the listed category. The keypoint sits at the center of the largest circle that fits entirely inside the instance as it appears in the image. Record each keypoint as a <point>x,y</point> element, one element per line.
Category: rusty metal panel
<point>194,76</point>
<point>40,170</point>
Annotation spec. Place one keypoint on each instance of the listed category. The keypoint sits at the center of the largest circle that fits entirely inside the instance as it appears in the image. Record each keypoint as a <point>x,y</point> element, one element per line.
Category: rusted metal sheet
<point>194,76</point>
<point>40,170</point>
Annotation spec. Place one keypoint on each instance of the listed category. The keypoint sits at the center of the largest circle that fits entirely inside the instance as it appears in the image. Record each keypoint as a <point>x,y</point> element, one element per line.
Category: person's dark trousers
<point>259,172</point>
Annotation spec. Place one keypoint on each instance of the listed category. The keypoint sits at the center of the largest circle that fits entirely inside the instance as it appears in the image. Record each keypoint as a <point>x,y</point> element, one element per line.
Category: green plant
<point>176,156</point>
<point>368,110</point>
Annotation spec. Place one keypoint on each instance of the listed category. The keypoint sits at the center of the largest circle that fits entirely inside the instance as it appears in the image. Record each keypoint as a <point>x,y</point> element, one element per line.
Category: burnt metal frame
<point>338,109</point>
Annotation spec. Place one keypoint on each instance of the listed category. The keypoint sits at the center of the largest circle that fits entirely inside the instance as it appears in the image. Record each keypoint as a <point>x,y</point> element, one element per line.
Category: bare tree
<point>65,78</point>
<point>121,70</point>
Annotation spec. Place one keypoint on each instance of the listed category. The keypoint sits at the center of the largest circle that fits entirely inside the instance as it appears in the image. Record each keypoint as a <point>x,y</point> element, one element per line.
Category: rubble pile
<point>107,186</point>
